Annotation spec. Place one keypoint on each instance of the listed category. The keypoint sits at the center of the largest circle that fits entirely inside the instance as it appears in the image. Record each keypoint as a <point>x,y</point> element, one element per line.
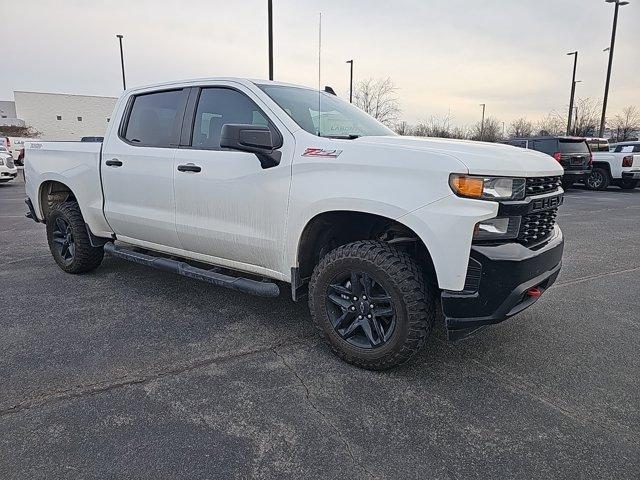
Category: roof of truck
<point>254,81</point>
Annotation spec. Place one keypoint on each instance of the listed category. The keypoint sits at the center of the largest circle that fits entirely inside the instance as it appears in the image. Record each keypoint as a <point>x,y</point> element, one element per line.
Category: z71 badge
<point>321,152</point>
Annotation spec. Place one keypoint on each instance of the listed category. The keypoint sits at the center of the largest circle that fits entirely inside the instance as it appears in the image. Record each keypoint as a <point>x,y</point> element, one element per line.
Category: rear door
<point>137,168</point>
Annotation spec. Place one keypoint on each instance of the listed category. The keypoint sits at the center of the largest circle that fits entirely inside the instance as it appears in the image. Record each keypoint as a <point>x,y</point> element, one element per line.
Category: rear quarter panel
<point>74,164</point>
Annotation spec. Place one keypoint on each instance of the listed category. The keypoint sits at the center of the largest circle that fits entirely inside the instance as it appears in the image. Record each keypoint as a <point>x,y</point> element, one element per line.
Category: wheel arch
<point>333,228</point>
<point>51,192</point>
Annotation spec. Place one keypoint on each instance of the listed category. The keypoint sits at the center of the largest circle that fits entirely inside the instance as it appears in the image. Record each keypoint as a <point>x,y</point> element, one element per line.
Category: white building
<point>63,116</point>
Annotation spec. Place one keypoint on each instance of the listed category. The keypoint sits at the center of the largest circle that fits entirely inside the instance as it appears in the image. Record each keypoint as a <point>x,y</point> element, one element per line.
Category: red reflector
<point>557,156</point>
<point>534,292</point>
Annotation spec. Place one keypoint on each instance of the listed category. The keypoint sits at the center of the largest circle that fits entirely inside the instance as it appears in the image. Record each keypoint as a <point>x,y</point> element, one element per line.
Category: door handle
<point>189,167</point>
<point>114,162</point>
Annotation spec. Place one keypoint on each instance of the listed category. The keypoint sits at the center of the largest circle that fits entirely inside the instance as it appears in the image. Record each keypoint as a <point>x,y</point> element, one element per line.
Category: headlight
<point>487,188</point>
<point>1,161</point>
<point>500,228</point>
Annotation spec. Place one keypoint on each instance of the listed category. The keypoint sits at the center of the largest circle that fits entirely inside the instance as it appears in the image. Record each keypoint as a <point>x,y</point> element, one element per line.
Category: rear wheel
<point>69,241</point>
<point>598,179</point>
<point>371,304</point>
<point>628,184</point>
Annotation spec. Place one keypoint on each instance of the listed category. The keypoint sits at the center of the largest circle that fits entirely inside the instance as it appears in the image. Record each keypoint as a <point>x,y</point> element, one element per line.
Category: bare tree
<point>403,128</point>
<point>378,98</point>
<point>521,128</point>
<point>552,124</point>
<point>18,131</point>
<point>626,125</point>
<point>587,117</point>
<point>435,126</point>
<point>491,131</point>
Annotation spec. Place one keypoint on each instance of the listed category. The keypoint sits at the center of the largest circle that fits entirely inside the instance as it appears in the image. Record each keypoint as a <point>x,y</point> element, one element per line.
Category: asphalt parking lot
<point>128,372</point>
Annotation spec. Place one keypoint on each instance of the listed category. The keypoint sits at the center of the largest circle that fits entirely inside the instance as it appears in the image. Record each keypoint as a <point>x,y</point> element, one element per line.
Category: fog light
<point>497,228</point>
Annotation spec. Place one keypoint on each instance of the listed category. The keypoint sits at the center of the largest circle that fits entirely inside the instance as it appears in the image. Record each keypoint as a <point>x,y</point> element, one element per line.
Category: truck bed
<point>74,164</point>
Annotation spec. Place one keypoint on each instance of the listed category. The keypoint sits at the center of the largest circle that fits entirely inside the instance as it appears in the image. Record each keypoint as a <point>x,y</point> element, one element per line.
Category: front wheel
<point>598,179</point>
<point>371,304</point>
<point>69,241</point>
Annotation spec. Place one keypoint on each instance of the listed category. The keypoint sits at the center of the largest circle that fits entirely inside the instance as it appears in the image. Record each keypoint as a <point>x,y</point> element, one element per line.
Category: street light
<point>124,82</point>
<point>270,14</point>
<point>350,82</point>
<point>483,105</point>
<point>575,122</point>
<point>573,89</point>
<point>618,4</point>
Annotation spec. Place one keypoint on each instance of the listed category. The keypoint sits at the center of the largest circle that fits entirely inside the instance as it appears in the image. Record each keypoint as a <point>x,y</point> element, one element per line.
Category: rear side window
<point>219,106</point>
<point>548,146</point>
<point>154,119</point>
<point>574,146</point>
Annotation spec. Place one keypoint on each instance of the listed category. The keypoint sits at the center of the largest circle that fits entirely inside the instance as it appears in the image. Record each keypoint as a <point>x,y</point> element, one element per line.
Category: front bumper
<point>498,280</point>
<point>8,173</point>
<point>631,175</point>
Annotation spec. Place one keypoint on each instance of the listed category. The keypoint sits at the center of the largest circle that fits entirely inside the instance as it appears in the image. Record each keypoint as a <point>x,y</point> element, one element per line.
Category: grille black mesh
<point>538,185</point>
<point>537,226</point>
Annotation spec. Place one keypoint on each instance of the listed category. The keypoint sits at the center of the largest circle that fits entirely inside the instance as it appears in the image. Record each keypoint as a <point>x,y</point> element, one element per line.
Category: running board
<point>241,284</point>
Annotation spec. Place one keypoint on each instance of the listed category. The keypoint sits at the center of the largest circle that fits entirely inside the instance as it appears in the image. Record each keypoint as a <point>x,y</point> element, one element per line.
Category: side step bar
<point>246,285</point>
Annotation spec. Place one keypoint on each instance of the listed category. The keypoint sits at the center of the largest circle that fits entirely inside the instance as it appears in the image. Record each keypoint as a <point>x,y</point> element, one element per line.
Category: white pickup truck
<point>254,184</point>
<point>620,167</point>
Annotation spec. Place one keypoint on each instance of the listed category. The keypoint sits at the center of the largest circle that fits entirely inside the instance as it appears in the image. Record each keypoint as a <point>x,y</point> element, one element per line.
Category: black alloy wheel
<point>360,309</point>
<point>63,240</point>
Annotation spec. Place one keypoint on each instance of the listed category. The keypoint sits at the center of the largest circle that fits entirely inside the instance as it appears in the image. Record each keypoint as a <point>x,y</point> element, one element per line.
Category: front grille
<point>537,226</point>
<point>9,162</point>
<point>538,185</point>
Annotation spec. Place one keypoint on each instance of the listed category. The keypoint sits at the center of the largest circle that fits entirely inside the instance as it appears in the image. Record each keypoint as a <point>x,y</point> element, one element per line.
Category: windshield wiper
<point>341,137</point>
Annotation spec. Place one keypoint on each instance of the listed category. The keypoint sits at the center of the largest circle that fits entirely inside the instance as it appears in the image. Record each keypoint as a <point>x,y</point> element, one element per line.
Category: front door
<point>137,169</point>
<point>227,205</point>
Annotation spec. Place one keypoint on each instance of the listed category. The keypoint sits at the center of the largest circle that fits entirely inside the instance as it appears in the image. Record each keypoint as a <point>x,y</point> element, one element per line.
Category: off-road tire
<point>85,257</point>
<point>598,179</point>
<point>403,279</point>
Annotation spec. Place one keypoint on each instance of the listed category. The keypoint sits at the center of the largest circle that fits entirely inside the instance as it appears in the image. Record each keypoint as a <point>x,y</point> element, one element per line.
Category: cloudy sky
<point>443,55</point>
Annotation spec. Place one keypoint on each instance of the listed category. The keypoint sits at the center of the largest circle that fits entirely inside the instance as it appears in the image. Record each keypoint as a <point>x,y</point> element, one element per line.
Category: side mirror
<point>253,139</point>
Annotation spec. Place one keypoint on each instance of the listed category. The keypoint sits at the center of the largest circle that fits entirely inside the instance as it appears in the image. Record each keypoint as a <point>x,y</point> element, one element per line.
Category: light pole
<point>270,14</point>
<point>124,82</point>
<point>618,4</point>
<point>575,122</point>
<point>573,89</point>
<point>483,105</point>
<point>351,82</point>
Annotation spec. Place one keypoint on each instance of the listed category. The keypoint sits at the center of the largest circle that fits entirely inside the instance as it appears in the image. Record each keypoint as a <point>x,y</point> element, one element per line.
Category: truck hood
<point>480,158</point>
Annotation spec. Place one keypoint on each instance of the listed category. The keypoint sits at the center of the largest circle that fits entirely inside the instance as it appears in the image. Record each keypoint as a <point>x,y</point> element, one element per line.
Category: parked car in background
<point>598,144</point>
<point>620,167</point>
<point>572,153</point>
<point>20,160</point>
<point>8,170</point>
<point>252,177</point>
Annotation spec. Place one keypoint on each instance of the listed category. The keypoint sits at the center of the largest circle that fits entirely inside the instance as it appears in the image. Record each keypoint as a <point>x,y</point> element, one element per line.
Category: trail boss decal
<point>321,152</point>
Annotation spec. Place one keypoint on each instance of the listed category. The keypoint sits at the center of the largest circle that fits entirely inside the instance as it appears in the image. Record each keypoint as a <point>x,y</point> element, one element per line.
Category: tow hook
<point>534,292</point>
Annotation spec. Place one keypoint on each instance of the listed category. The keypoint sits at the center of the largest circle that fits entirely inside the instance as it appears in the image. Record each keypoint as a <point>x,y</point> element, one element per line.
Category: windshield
<point>573,146</point>
<point>324,114</point>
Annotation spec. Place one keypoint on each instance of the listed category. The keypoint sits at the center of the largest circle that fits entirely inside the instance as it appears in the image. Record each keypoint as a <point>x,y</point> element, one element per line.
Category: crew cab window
<point>218,106</point>
<point>154,120</point>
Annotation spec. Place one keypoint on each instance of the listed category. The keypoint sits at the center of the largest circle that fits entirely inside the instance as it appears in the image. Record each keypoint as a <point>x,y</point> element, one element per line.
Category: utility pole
<point>618,4</point>
<point>573,90</point>
<point>483,105</point>
<point>124,82</point>
<point>351,82</point>
<point>270,8</point>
